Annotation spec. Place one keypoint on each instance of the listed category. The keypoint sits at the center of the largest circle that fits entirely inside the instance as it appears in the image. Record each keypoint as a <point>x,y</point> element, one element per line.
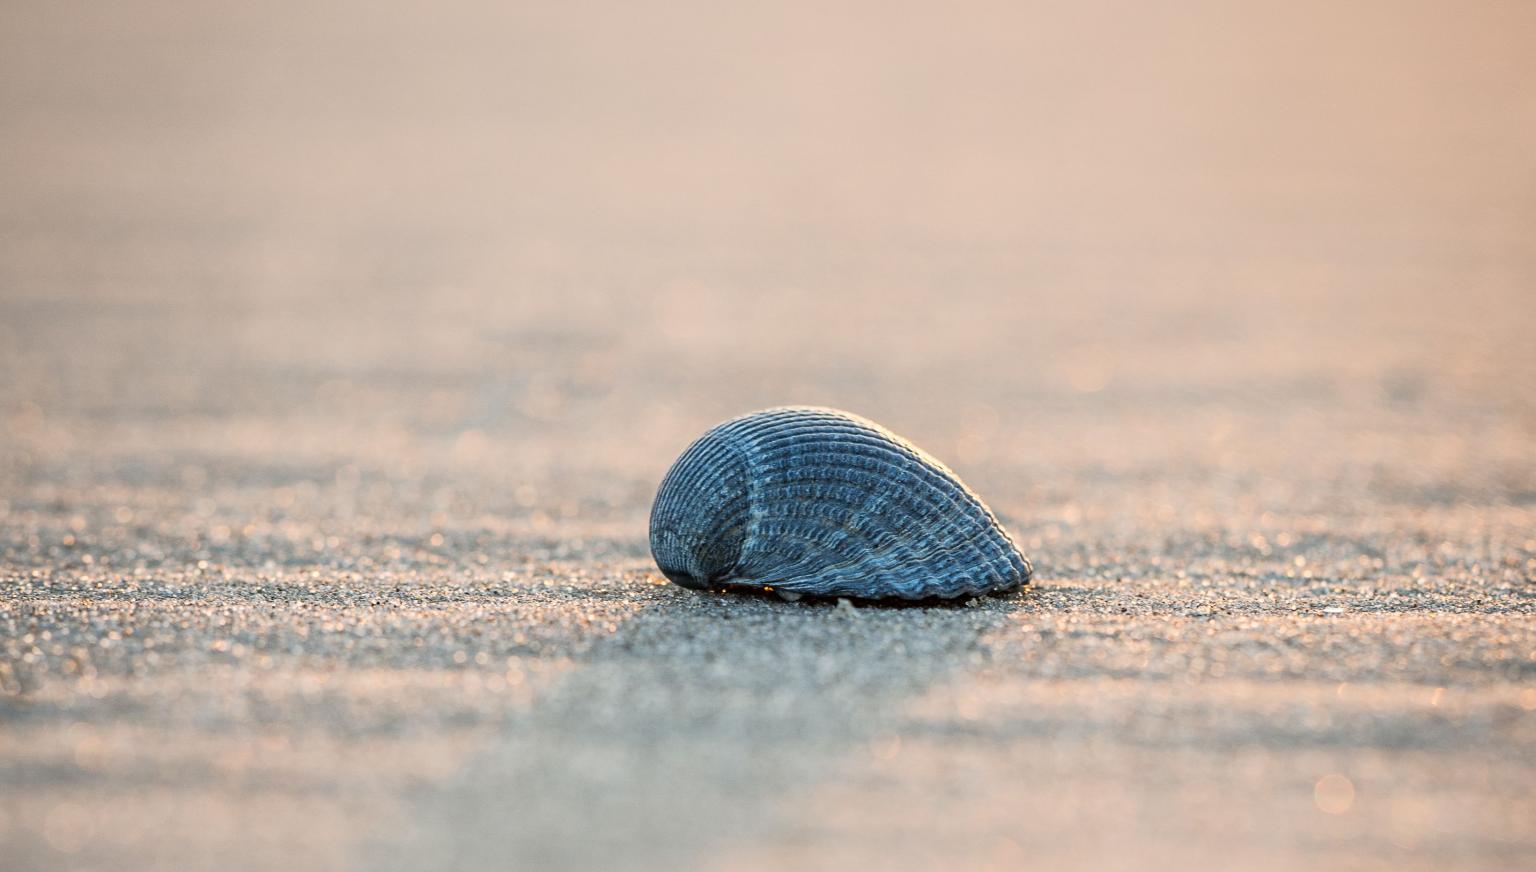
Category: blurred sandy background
<point>381,321</point>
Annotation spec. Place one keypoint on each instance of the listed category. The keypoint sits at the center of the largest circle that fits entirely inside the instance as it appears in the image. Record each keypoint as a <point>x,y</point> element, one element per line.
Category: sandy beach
<point>344,347</point>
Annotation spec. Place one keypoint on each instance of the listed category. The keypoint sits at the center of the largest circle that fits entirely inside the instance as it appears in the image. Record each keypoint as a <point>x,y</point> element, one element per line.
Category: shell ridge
<point>956,499</point>
<point>804,573</point>
<point>811,565</point>
<point>704,466</point>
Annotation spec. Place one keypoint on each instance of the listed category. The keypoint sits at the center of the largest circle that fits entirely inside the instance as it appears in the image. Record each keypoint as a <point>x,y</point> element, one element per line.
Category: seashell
<point>818,502</point>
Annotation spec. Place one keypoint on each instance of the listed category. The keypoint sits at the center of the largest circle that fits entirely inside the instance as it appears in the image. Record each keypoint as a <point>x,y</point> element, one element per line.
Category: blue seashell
<point>818,502</point>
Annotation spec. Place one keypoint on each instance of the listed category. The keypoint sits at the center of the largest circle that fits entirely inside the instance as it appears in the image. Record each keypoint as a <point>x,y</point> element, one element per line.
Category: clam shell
<point>820,502</point>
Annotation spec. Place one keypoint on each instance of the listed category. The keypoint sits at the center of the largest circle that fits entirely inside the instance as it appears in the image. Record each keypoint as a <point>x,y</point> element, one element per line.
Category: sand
<point>344,349</point>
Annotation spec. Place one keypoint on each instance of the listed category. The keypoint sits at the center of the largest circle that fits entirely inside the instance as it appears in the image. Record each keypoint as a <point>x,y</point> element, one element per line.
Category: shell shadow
<point>885,603</point>
<point>697,702</point>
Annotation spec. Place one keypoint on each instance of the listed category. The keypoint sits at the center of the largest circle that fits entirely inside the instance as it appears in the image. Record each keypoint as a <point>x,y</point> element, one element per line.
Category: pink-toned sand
<point>344,344</point>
